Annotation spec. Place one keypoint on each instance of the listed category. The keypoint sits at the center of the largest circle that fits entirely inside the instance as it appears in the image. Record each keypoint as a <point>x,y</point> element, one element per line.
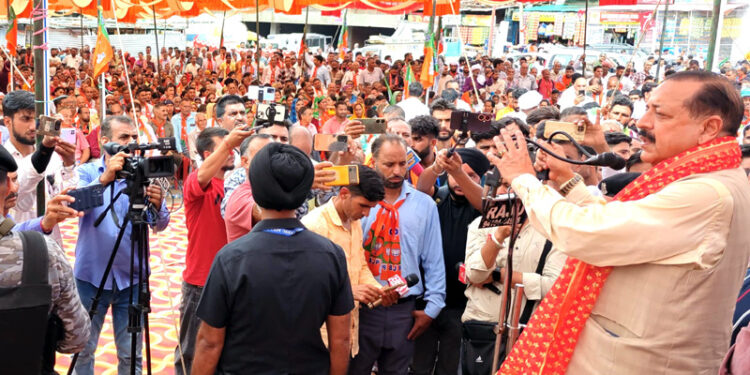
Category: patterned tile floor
<point>167,262</point>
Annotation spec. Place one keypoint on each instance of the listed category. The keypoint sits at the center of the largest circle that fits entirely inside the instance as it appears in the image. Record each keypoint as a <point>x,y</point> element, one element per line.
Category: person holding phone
<point>69,134</point>
<point>575,95</point>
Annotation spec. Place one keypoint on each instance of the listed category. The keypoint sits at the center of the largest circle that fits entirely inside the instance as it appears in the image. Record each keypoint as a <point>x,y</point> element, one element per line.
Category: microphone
<point>491,182</point>
<point>606,159</point>
<point>411,280</point>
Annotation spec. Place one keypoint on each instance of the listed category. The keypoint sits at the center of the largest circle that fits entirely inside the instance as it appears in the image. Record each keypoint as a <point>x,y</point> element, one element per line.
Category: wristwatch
<point>566,187</point>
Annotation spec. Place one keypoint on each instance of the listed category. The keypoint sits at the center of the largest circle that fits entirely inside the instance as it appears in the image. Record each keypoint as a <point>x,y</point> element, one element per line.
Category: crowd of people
<point>281,263</point>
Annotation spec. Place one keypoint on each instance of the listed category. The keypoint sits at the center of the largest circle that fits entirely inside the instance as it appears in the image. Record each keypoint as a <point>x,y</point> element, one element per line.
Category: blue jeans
<point>119,300</point>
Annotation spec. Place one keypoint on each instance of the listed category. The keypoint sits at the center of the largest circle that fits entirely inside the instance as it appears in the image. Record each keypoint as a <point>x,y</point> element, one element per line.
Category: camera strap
<point>529,307</point>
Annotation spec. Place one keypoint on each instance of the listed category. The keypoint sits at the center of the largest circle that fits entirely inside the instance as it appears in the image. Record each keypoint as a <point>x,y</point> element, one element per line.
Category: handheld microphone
<point>607,159</point>
<point>411,280</point>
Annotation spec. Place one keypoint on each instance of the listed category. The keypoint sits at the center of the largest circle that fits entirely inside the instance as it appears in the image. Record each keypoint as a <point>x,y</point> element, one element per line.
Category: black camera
<point>144,167</point>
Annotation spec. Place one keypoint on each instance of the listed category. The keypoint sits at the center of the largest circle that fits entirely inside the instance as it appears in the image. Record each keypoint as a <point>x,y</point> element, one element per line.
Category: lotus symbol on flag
<point>100,57</point>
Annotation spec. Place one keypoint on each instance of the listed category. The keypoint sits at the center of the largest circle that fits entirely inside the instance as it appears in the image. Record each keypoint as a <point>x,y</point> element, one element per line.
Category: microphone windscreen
<point>411,280</point>
<point>614,161</point>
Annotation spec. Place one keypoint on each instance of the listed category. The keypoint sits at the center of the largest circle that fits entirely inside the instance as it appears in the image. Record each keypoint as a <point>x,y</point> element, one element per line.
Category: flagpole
<point>41,85</point>
<point>81,17</point>
<point>257,37</point>
<point>221,38</point>
<point>156,38</point>
<point>12,63</point>
<point>431,33</point>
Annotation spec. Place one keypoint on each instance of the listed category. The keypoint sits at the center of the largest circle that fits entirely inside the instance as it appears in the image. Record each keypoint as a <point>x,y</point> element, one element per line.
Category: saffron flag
<point>429,69</point>
<point>11,36</point>
<point>103,50</point>
<point>343,44</point>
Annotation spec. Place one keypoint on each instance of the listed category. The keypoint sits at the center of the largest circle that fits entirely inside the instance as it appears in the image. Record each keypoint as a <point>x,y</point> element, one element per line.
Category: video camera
<point>141,167</point>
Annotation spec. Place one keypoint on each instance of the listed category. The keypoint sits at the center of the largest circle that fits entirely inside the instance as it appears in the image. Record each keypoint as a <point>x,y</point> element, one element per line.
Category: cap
<point>745,92</point>
<point>529,100</point>
<point>7,163</point>
<point>167,102</point>
<point>476,67</point>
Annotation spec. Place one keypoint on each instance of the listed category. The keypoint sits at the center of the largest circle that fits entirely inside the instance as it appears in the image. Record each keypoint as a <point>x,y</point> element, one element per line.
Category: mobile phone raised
<point>330,142</point>
<point>376,125</point>
<point>577,131</point>
<point>87,197</point>
<point>48,126</point>
<point>68,135</point>
<point>345,175</point>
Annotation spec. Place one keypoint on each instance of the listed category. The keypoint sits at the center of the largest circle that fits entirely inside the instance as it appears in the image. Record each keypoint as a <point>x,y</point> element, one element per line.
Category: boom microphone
<point>411,280</point>
<point>606,159</point>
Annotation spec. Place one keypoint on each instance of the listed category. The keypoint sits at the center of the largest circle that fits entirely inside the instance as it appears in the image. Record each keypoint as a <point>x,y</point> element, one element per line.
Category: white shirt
<point>57,178</point>
<point>413,107</point>
<point>567,99</point>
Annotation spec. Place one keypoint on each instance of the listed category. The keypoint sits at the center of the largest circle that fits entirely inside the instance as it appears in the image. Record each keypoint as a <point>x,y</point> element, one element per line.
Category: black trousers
<point>382,340</point>
<point>437,351</point>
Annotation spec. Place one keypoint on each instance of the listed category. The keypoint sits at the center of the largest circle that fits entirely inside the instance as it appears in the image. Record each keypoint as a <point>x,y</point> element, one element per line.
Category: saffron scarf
<point>547,344</point>
<point>383,245</point>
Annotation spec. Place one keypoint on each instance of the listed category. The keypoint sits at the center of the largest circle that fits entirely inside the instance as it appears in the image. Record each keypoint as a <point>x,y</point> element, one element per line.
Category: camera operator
<point>92,252</point>
<point>53,162</point>
<point>24,343</point>
<point>670,252</point>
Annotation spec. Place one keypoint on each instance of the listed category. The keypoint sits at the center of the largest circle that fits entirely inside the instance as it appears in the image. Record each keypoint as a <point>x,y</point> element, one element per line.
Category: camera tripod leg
<point>100,289</point>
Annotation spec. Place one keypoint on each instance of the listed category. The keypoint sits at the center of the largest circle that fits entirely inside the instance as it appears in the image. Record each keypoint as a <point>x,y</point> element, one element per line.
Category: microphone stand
<point>501,329</point>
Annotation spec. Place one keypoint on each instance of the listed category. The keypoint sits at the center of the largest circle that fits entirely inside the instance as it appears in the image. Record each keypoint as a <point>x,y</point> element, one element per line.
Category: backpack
<point>24,313</point>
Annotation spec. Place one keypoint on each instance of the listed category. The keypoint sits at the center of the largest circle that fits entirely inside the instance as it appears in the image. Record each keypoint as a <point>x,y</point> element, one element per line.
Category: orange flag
<point>103,50</point>
<point>11,36</point>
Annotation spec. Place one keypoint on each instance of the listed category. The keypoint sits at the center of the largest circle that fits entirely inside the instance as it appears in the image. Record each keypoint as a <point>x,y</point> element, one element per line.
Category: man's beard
<point>388,184</point>
<point>443,138</point>
<point>423,153</point>
<point>23,140</point>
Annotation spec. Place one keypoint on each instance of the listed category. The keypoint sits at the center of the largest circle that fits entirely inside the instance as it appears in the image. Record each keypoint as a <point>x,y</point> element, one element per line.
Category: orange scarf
<point>160,129</point>
<point>547,344</point>
<point>383,245</point>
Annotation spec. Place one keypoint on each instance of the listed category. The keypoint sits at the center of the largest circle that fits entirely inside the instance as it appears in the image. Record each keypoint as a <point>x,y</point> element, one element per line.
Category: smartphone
<point>376,125</point>
<point>330,142</point>
<point>87,197</point>
<point>48,126</point>
<point>265,113</point>
<point>469,121</point>
<point>68,135</point>
<point>581,92</point>
<point>345,175</point>
<point>577,131</point>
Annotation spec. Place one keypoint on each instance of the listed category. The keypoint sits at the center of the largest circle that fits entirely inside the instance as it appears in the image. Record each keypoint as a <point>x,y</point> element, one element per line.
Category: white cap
<point>529,100</point>
<point>476,67</point>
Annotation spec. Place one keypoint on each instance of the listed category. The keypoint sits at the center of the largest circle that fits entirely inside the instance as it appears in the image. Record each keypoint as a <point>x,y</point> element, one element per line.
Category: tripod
<point>139,307</point>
